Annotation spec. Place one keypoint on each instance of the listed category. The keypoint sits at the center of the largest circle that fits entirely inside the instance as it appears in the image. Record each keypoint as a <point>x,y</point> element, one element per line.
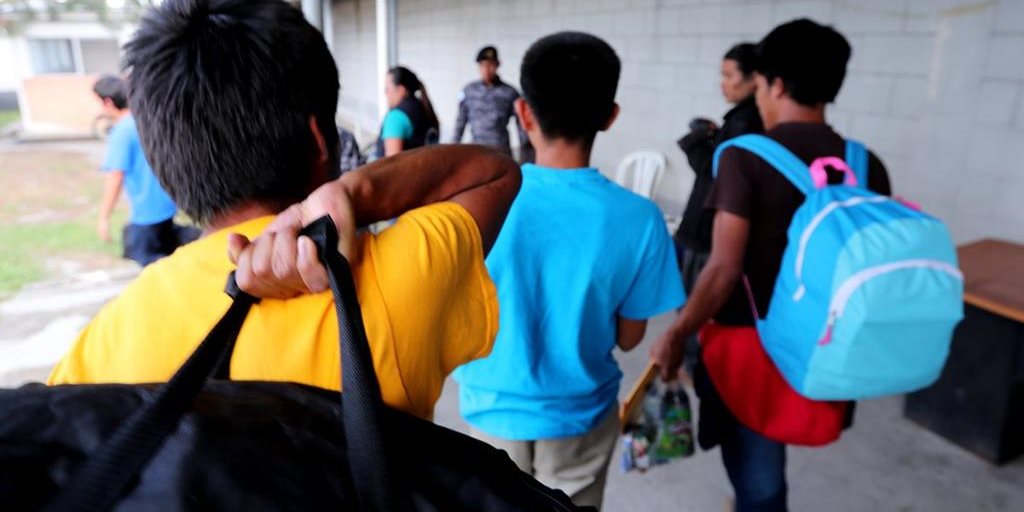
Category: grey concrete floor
<point>885,463</point>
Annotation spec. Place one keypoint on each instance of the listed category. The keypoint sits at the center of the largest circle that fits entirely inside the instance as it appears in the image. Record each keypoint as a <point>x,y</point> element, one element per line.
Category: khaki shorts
<point>576,465</point>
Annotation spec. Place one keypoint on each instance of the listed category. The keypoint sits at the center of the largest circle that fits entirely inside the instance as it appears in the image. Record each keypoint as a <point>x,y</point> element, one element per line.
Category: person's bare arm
<point>112,183</point>
<point>480,179</point>
<point>714,286</point>
<point>393,147</point>
<point>630,333</point>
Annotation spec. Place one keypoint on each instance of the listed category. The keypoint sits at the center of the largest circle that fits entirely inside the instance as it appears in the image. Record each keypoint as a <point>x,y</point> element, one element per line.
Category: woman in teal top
<point>411,122</point>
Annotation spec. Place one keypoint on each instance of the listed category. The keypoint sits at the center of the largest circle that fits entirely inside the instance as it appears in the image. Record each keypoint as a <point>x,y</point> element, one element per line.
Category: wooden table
<point>978,402</point>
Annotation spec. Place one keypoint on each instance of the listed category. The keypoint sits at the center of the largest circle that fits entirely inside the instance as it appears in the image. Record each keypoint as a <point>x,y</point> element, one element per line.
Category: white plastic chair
<point>640,172</point>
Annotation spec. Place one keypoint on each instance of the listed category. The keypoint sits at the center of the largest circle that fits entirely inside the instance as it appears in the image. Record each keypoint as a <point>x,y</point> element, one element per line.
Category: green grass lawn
<point>8,116</point>
<point>26,247</point>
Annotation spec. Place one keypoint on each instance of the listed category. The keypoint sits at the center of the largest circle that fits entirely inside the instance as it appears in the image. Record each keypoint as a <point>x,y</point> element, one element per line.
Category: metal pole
<point>387,49</point>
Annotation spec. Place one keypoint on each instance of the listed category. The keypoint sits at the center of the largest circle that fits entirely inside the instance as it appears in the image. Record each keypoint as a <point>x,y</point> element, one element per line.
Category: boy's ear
<point>319,138</point>
<point>777,89</point>
<point>612,117</point>
<point>525,114</point>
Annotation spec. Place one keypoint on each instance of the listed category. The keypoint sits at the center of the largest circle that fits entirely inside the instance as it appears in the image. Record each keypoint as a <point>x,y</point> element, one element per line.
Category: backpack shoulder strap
<point>782,159</point>
<point>857,159</point>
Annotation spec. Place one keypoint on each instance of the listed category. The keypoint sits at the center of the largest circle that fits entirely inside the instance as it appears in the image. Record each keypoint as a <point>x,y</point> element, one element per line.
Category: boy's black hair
<point>110,87</point>
<point>745,55</point>
<point>569,80</point>
<point>223,91</point>
<point>809,58</point>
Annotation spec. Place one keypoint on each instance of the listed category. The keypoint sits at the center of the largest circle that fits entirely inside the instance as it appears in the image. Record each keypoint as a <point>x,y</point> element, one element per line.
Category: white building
<point>936,87</point>
<point>50,66</point>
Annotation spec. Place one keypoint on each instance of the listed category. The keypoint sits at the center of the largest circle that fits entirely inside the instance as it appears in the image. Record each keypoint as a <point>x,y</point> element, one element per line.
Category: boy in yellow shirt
<point>235,103</point>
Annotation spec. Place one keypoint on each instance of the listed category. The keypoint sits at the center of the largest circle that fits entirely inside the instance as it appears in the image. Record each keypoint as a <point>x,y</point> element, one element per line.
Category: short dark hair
<point>110,87</point>
<point>745,56</point>
<point>223,91</point>
<point>809,58</point>
<point>569,80</point>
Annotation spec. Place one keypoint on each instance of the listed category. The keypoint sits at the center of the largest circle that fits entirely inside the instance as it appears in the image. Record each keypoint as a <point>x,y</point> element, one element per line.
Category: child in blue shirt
<point>151,233</point>
<point>580,265</point>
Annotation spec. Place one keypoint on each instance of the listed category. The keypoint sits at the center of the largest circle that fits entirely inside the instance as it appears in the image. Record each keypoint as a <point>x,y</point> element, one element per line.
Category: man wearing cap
<point>487,106</point>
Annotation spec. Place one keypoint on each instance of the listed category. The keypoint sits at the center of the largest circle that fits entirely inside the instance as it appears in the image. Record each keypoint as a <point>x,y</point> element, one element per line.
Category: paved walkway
<point>39,323</point>
<point>883,464</point>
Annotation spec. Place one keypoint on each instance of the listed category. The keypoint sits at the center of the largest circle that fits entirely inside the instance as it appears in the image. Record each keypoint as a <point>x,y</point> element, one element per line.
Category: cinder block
<point>675,108</point>
<point>995,152</point>
<point>709,18</point>
<point>1008,206</point>
<point>870,16</point>
<point>712,48</point>
<point>979,194</point>
<point>630,22</point>
<point>642,48</point>
<point>1004,58</point>
<point>1010,16</point>
<point>1019,122</point>
<point>630,75</point>
<point>541,8</point>
<point>696,79</point>
<point>747,18</point>
<point>888,135</point>
<point>911,97</point>
<point>658,76</point>
<point>817,10</point>
<point>840,119</point>
<point>668,22</point>
<point>995,103</point>
<point>638,101</point>
<point>679,49</point>
<point>682,2</point>
<point>894,54</point>
<point>866,93</point>
<point>601,24</point>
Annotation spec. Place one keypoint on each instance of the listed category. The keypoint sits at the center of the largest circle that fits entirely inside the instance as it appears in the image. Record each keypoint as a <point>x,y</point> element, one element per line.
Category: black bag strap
<point>361,403</point>
<point>105,476</point>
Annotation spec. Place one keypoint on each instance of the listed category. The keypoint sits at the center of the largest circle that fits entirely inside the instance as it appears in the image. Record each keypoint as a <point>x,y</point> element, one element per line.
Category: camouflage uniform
<point>487,109</point>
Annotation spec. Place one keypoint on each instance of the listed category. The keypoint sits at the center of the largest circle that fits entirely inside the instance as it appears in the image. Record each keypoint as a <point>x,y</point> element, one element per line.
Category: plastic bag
<point>662,432</point>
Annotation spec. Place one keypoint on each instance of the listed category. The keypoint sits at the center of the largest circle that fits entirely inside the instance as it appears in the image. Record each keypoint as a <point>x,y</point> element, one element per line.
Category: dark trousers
<point>146,243</point>
<point>755,464</point>
<point>690,265</point>
<point>756,467</point>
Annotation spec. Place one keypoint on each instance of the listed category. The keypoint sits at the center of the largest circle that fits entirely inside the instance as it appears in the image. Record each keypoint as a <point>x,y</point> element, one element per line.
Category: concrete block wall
<point>935,86</point>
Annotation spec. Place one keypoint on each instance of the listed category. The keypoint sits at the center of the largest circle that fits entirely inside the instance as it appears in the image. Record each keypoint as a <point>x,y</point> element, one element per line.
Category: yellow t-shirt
<point>428,304</point>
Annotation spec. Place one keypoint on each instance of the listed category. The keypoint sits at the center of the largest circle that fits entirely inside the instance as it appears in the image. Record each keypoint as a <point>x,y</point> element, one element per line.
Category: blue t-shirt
<point>576,252</point>
<point>397,125</point>
<point>149,203</point>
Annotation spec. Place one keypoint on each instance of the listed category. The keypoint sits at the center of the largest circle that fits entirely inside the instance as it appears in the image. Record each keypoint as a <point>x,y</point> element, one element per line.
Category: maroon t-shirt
<point>750,188</point>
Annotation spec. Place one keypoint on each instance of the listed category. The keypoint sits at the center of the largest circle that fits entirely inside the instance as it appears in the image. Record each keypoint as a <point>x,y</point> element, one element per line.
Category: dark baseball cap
<point>487,53</point>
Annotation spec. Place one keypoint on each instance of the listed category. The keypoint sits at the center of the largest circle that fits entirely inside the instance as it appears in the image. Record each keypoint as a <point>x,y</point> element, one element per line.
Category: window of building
<point>51,56</point>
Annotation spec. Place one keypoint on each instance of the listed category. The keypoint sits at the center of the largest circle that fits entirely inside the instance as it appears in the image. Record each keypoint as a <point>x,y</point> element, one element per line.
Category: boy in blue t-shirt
<point>580,265</point>
<point>151,233</point>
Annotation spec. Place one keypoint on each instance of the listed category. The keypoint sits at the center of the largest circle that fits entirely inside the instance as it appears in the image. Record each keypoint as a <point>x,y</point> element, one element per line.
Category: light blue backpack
<point>868,292</point>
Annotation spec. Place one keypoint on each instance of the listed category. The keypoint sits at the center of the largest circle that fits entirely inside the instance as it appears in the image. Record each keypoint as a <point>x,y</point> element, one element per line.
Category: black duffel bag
<point>202,442</point>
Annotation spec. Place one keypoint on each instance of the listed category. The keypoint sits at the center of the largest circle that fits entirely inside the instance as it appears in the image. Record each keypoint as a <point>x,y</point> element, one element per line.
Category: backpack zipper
<point>842,296</point>
<point>805,236</point>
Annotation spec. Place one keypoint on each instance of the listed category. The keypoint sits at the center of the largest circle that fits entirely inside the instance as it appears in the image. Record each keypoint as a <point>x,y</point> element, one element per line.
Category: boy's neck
<point>562,154</point>
<point>237,216</point>
<point>792,112</point>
